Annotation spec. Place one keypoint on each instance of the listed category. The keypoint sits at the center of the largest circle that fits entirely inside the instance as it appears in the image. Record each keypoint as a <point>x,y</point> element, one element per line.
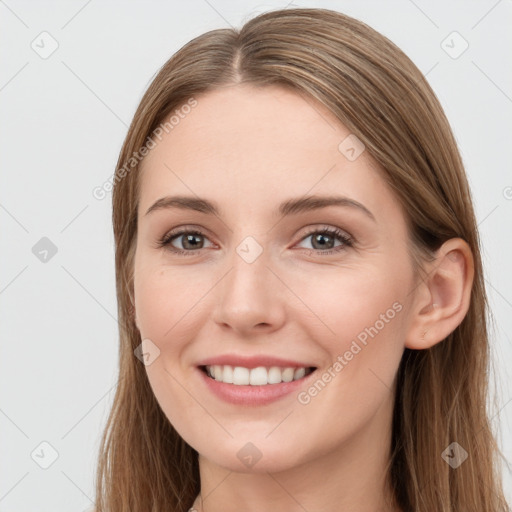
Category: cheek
<point>167,302</point>
<point>348,300</point>
<point>366,314</point>
<point>359,322</point>
<point>168,305</point>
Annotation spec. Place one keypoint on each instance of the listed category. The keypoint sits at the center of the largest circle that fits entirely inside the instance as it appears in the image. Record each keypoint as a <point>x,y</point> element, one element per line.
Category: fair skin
<point>248,150</point>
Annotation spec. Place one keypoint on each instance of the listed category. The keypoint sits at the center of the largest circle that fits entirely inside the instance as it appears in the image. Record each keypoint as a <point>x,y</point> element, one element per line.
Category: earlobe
<point>443,298</point>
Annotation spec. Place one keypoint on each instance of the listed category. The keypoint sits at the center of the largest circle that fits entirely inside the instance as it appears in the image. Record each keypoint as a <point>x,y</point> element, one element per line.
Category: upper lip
<point>252,361</point>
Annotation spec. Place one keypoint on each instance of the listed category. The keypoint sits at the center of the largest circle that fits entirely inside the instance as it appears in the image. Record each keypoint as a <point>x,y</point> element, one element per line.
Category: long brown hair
<point>376,91</point>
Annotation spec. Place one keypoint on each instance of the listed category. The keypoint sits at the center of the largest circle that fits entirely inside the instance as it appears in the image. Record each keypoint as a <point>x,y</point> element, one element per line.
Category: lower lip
<point>252,395</point>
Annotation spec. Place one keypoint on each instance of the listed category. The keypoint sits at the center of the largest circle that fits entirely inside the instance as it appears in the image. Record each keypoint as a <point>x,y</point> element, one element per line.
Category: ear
<point>442,298</point>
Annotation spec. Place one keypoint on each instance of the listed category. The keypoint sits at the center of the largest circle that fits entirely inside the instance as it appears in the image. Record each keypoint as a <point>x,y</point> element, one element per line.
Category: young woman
<point>301,298</point>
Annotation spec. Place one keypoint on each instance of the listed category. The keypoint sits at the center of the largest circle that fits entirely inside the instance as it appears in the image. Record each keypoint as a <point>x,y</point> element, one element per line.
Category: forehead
<point>245,121</point>
<point>257,144</point>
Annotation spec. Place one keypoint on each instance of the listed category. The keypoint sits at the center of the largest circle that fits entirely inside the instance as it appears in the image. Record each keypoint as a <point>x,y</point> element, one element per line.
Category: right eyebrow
<point>185,203</point>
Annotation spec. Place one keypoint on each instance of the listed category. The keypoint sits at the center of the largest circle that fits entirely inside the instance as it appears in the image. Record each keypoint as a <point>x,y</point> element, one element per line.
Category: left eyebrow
<point>305,204</point>
<point>287,208</point>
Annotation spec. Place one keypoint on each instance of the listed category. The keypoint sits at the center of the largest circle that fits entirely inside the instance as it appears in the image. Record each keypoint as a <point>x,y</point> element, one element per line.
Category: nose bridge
<point>247,296</point>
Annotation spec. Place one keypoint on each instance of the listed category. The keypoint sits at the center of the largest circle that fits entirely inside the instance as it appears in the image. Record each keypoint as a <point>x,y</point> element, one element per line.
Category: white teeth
<point>259,376</point>
<point>217,372</point>
<point>287,375</point>
<point>227,375</point>
<point>274,375</point>
<point>299,373</point>
<point>241,375</point>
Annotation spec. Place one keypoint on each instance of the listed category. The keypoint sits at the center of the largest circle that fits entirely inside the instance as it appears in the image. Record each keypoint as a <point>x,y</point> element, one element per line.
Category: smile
<point>253,381</point>
<point>259,376</point>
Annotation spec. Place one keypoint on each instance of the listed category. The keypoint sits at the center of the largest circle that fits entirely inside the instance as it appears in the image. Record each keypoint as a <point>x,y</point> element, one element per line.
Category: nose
<point>250,299</point>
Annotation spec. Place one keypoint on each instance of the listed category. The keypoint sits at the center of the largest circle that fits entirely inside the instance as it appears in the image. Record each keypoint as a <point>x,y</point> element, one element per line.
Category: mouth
<point>253,380</point>
<point>259,376</point>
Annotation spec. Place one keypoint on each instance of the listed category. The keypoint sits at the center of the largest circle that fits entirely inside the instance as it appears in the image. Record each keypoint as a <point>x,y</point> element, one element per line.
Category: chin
<point>253,457</point>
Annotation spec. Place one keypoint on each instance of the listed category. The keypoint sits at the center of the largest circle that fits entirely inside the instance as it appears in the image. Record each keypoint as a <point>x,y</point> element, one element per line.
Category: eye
<point>190,241</point>
<point>324,239</point>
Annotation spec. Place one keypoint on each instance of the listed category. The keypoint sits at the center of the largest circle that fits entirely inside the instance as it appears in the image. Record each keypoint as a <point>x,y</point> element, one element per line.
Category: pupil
<point>319,237</point>
<point>190,238</point>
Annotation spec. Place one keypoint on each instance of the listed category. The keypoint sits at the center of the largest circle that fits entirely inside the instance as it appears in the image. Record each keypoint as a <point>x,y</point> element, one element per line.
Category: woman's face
<point>262,284</point>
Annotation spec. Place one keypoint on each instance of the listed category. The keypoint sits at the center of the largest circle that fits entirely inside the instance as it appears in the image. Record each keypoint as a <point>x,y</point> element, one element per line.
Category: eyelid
<point>329,229</point>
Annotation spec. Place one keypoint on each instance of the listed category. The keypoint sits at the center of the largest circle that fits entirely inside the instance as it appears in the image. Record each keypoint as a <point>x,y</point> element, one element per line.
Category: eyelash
<point>348,241</point>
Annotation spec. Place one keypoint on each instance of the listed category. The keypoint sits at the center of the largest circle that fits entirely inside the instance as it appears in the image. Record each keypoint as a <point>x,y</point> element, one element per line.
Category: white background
<point>63,122</point>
